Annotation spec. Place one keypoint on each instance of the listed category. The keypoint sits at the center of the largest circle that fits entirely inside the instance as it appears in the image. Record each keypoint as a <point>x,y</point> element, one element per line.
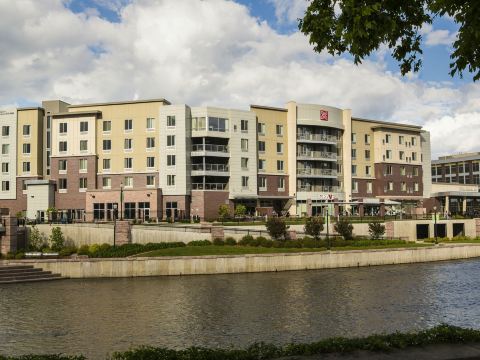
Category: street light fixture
<point>328,238</point>
<point>435,225</point>
<point>121,201</point>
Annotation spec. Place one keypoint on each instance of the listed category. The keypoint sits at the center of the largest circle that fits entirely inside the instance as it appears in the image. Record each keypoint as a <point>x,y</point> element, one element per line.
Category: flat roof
<point>73,113</point>
<point>455,160</point>
<point>31,108</point>
<point>389,124</point>
<point>122,103</point>
<point>268,108</point>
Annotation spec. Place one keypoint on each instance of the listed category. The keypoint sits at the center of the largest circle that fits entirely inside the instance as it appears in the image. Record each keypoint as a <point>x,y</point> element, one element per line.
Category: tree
<point>224,212</point>
<point>35,239</point>
<point>240,210</point>
<point>359,27</point>
<point>277,228</point>
<point>376,230</point>
<point>57,239</point>
<point>345,229</point>
<point>313,226</point>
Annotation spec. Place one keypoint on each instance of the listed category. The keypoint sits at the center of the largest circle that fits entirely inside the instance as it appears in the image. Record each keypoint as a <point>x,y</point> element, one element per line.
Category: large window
<point>217,124</point>
<point>198,123</point>
<point>129,210</point>
<point>171,209</point>
<point>98,211</point>
<point>83,126</point>
<point>171,121</point>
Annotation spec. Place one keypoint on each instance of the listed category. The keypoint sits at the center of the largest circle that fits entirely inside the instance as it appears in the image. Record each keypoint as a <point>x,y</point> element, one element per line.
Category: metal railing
<point>210,147</point>
<point>210,167</point>
<point>313,171</point>
<point>318,155</point>
<point>319,188</point>
<point>209,186</point>
<point>317,137</point>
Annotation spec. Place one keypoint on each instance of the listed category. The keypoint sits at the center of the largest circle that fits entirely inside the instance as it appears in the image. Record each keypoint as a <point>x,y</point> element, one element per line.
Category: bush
<point>376,230</point>
<point>308,242</point>
<point>83,250</point>
<point>224,212</point>
<point>240,210</point>
<point>67,251</point>
<point>200,243</point>
<point>276,227</point>
<point>264,242</point>
<point>292,244</point>
<point>313,226</point>
<point>35,239</point>
<point>57,240</point>
<point>20,255</point>
<point>345,229</point>
<point>230,241</point>
<point>10,255</point>
<point>218,242</point>
<point>247,240</point>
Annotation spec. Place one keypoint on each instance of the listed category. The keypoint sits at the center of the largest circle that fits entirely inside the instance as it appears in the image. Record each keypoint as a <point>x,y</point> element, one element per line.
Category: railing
<point>210,167</point>
<point>209,186</point>
<point>317,137</point>
<point>327,172</point>
<point>319,188</point>
<point>318,155</point>
<point>210,147</point>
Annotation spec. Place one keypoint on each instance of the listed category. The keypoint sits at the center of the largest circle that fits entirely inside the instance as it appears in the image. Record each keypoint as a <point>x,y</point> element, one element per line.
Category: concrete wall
<point>133,267</point>
<point>408,229</point>
<point>81,234</point>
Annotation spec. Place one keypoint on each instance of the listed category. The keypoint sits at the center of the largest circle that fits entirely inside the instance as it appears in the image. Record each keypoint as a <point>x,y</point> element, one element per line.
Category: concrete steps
<point>12,274</point>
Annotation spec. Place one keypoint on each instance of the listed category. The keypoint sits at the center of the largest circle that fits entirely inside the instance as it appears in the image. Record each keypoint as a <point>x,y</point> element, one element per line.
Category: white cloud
<point>289,11</point>
<point>206,52</point>
<point>435,37</point>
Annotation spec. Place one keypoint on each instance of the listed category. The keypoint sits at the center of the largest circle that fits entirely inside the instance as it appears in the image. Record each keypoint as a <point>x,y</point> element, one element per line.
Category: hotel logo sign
<point>324,115</point>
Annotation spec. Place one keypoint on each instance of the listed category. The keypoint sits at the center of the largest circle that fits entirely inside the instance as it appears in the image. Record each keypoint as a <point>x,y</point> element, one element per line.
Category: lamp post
<point>121,201</point>
<point>435,225</point>
<point>328,238</point>
<point>115,211</point>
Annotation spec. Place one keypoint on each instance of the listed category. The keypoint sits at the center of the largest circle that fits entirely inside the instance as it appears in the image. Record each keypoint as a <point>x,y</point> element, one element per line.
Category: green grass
<point>241,250</point>
<point>457,240</point>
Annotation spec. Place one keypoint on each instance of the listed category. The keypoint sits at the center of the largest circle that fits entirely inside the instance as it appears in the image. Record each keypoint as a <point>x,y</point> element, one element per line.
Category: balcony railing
<point>210,147</point>
<point>317,137</point>
<point>209,186</point>
<point>210,167</point>
<point>320,172</point>
<point>319,188</point>
<point>318,155</point>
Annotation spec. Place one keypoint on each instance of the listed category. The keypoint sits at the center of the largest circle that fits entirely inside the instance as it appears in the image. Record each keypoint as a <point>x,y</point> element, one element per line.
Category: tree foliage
<point>224,211</point>
<point>57,240</point>
<point>313,226</point>
<point>240,210</point>
<point>359,27</point>
<point>277,228</point>
<point>344,228</point>
<point>376,230</point>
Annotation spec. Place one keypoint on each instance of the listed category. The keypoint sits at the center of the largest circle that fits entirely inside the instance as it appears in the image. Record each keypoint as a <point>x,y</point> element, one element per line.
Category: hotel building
<point>154,159</point>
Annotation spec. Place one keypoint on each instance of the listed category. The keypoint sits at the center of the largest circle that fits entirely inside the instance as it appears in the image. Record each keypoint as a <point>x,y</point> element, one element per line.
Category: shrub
<point>83,250</point>
<point>292,244</point>
<point>230,241</point>
<point>224,212</point>
<point>308,242</point>
<point>277,244</point>
<point>67,251</point>
<point>376,230</point>
<point>35,239</point>
<point>200,243</point>
<point>10,255</point>
<point>264,242</point>
<point>276,227</point>
<point>218,242</point>
<point>20,255</point>
<point>57,239</point>
<point>246,240</point>
<point>240,210</point>
<point>313,226</point>
<point>345,229</point>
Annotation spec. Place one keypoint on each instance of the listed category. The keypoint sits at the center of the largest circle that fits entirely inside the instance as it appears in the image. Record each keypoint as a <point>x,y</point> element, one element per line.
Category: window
<point>416,187</point>
<point>388,138</point>
<point>83,145</point>
<point>128,144</point>
<point>26,149</point>
<point>244,144</point>
<point>83,183</point>
<point>414,156</point>
<point>354,169</point>
<point>244,126</point>
<point>107,126</point>
<point>107,183</point>
<point>62,184</point>
<point>5,185</point>
<point>26,130</point>
<point>402,171</point>
<point>354,138</point>
<point>279,130</point>
<point>390,185</point>
<point>369,187</point>
<point>280,165</point>
<point>171,160</point>
<point>368,170</point>
<point>355,186</point>
<point>5,130</point>
<point>5,167</point>
<point>128,181</point>
<point>367,154</point>
<point>262,183</point>
<point>388,170</point>
<point>388,154</point>
<point>128,125</point>
<point>217,124</point>
<point>279,148</point>
<point>415,171</point>
<point>400,139</point>
<point>245,182</point>
<point>170,180</point>
<point>150,123</point>
<point>261,146</point>
<point>367,139</point>
<point>63,128</point>
<point>261,128</point>
<point>281,183</point>
<point>414,141</point>
<point>82,165</point>
<point>106,164</point>
<point>62,165</point>
<point>170,121</point>
<point>150,180</point>
<point>62,146</point>
<point>150,142</point>
<point>99,211</point>
<point>24,185</point>
<point>83,126</point>
<point>150,161</point>
<point>171,140</point>
<point>128,163</point>
<point>401,155</point>
<point>26,166</point>
<point>198,123</point>
<point>475,167</point>
<point>403,186</point>
<point>107,145</point>
<point>5,149</point>
<point>261,164</point>
<point>354,154</point>
<point>244,162</point>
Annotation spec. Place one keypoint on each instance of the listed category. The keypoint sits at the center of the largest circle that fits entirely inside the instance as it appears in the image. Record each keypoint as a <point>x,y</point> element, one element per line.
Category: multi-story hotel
<point>153,159</point>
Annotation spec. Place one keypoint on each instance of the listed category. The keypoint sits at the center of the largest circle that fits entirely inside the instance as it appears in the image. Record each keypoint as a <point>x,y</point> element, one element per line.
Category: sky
<point>223,53</point>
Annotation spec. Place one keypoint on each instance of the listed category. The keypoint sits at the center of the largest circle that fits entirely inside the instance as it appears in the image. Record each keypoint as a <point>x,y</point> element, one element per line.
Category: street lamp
<point>435,225</point>
<point>328,238</point>
<point>115,211</point>
<point>121,201</point>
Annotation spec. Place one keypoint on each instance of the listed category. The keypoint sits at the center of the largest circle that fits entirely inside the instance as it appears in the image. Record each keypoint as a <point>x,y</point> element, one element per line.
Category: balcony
<point>317,138</point>
<point>210,186</point>
<point>210,150</point>
<point>320,188</point>
<point>209,169</point>
<point>317,155</point>
<point>312,172</point>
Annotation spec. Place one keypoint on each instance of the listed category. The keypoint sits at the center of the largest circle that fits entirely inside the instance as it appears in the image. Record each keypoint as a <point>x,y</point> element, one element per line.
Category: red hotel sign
<point>324,115</point>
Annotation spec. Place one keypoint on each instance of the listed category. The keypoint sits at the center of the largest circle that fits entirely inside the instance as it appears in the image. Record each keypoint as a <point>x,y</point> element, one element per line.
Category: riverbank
<point>249,263</point>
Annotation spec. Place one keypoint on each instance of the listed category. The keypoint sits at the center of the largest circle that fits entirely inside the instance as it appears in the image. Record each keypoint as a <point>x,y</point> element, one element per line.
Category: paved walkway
<point>435,352</point>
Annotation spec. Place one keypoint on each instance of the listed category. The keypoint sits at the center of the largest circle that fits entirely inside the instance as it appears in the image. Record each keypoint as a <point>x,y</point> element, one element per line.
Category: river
<point>95,317</point>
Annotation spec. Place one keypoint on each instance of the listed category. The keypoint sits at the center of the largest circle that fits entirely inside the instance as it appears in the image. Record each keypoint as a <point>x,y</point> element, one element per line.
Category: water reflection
<point>97,316</point>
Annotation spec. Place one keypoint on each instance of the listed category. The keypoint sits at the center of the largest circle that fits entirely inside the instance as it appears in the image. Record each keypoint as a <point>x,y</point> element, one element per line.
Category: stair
<point>13,274</point>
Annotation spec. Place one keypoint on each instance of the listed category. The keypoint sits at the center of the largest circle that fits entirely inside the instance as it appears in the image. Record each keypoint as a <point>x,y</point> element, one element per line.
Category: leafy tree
<point>35,239</point>
<point>240,210</point>
<point>313,226</point>
<point>224,212</point>
<point>57,239</point>
<point>344,228</point>
<point>359,27</point>
<point>376,230</point>
<point>277,228</point>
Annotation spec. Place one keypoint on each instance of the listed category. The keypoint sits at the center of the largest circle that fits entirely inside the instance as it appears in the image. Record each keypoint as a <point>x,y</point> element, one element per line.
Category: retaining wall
<point>158,266</point>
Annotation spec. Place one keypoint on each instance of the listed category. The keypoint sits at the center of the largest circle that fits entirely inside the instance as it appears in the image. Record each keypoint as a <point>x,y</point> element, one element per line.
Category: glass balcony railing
<point>319,188</point>
<point>317,137</point>
<point>210,167</point>
<point>209,186</point>
<point>318,155</point>
<point>319,172</point>
<point>210,147</point>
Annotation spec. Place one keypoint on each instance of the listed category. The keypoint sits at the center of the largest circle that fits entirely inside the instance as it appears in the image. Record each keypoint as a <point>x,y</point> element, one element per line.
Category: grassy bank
<point>442,334</point>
